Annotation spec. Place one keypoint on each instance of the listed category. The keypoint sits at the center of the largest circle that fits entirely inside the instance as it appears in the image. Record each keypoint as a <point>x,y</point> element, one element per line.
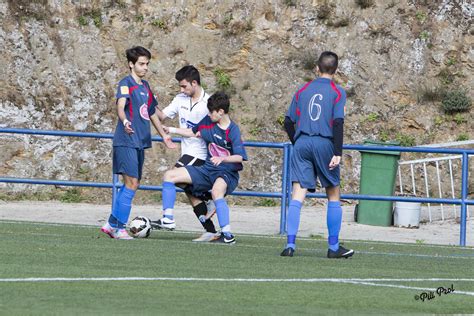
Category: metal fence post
<point>284,189</point>
<point>465,166</point>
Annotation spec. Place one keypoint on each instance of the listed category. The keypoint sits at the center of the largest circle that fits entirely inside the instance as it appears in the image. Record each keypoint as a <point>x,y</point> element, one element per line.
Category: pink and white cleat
<point>107,229</point>
<point>121,233</point>
<point>116,233</point>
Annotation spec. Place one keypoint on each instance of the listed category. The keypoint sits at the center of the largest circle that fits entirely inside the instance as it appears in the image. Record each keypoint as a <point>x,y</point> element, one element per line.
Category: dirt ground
<point>248,220</point>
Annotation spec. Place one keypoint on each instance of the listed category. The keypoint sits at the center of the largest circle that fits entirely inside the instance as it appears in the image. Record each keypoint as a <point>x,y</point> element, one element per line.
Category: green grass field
<point>249,278</point>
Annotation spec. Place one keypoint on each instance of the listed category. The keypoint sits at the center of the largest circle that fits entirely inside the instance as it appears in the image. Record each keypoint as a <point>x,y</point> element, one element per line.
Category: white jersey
<point>190,114</point>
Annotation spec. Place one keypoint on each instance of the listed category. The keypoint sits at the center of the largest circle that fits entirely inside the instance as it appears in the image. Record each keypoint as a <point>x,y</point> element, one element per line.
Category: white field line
<point>369,282</point>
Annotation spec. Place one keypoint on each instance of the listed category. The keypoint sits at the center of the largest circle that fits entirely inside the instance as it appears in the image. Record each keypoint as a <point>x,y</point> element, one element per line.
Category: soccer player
<point>317,111</point>
<point>220,172</point>
<point>136,107</point>
<point>191,107</point>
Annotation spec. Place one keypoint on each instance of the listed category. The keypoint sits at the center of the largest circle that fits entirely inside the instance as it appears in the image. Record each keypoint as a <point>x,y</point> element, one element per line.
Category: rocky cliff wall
<point>61,61</point>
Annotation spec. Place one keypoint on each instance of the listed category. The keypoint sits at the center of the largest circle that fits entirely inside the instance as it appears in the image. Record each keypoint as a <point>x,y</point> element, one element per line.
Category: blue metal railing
<point>285,194</point>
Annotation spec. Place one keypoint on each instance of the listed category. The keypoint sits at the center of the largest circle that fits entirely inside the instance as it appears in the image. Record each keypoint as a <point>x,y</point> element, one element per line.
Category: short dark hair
<point>217,101</point>
<point>327,62</point>
<point>189,73</point>
<point>136,52</point>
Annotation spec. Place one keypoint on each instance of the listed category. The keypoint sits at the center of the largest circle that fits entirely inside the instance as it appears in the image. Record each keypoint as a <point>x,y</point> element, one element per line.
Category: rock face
<point>62,60</point>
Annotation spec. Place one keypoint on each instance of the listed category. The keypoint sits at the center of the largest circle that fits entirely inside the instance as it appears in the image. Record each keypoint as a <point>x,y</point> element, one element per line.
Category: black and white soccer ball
<point>140,227</point>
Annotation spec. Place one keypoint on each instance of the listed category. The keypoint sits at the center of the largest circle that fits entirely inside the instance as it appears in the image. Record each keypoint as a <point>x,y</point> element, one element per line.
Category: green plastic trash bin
<point>377,177</point>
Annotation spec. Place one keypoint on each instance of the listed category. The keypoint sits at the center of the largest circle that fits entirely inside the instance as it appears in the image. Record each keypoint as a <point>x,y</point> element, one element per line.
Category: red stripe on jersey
<point>298,112</point>
<point>227,131</point>
<point>333,86</point>
<point>150,95</point>
<point>130,108</point>
<point>201,127</point>
<point>302,89</point>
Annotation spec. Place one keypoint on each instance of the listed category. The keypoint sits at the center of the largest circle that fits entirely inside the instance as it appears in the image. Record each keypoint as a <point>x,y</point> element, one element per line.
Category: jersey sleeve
<point>123,90</point>
<point>237,143</point>
<point>205,121</point>
<point>172,109</point>
<point>339,106</point>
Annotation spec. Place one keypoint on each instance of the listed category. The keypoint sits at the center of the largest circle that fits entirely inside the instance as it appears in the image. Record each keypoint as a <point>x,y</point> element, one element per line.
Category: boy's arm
<point>161,116</point>
<point>290,119</point>
<point>239,153</point>
<point>290,129</point>
<point>166,137</point>
<point>232,159</point>
<point>185,132</point>
<point>121,102</point>
<point>338,132</point>
<point>338,129</point>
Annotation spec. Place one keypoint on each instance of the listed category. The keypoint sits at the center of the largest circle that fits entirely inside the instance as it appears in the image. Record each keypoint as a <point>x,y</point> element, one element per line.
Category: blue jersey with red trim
<point>222,142</point>
<point>140,105</point>
<point>315,106</point>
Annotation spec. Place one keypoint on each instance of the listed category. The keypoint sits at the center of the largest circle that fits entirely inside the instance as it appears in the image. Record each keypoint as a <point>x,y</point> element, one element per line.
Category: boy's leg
<point>200,209</point>
<point>180,175</point>
<point>128,162</point>
<point>123,205</point>
<point>293,219</point>
<point>219,190</point>
<point>334,220</point>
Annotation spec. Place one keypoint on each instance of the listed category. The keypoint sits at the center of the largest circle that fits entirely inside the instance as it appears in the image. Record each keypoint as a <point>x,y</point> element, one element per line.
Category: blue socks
<point>293,222</point>
<point>334,219</point>
<point>169,197</point>
<point>223,216</point>
<point>121,208</point>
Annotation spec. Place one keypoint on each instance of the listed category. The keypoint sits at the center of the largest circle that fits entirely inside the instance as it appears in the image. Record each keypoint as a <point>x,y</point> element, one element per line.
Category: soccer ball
<point>140,227</point>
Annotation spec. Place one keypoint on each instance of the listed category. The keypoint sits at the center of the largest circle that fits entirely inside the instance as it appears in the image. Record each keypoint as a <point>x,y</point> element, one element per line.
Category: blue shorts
<point>129,161</point>
<point>310,160</point>
<point>203,178</point>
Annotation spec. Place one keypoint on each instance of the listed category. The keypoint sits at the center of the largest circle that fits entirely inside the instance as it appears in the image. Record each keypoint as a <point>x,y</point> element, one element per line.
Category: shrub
<point>222,78</point>
<point>266,202</point>
<point>72,196</point>
<point>451,61</point>
<point>82,20</point>
<point>420,16</point>
<point>324,12</point>
<point>430,93</point>
<point>364,4</point>
<point>159,23</point>
<point>309,61</point>
<point>424,35</point>
<point>462,137</point>
<point>372,117</point>
<point>446,76</point>
<point>459,119</point>
<point>405,140</point>
<point>456,101</point>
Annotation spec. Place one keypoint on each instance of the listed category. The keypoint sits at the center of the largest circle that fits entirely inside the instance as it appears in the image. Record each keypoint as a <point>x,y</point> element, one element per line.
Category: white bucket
<point>407,214</point>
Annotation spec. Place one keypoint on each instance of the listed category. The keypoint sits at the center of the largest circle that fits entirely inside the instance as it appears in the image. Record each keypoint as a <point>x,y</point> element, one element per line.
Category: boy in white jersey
<point>191,107</point>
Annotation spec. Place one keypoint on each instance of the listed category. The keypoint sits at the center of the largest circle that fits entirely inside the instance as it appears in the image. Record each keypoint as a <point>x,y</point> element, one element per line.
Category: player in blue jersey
<point>314,123</point>
<point>220,172</point>
<point>136,107</point>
